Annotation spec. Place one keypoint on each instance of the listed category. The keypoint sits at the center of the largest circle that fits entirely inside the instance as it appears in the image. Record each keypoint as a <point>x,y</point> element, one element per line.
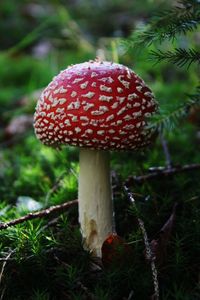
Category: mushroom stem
<point>95,201</point>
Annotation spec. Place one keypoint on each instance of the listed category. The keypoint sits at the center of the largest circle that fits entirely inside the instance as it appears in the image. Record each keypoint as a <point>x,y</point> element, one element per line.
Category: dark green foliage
<point>44,259</point>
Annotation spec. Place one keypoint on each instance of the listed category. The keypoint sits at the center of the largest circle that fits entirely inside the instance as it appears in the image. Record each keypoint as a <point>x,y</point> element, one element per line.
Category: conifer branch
<point>170,120</point>
<point>178,56</point>
<point>161,173</point>
<point>149,255</point>
<point>167,25</point>
<point>39,214</point>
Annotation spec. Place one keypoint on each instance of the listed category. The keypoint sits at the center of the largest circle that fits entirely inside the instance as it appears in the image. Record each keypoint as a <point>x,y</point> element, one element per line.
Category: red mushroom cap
<point>101,105</point>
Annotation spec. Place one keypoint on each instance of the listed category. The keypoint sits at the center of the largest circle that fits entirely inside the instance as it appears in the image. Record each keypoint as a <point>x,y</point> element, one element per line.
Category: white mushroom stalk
<point>97,106</point>
<point>95,201</point>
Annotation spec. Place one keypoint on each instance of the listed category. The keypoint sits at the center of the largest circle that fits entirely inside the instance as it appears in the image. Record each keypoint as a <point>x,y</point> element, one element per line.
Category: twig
<point>54,188</point>
<point>4,264</point>
<point>74,173</point>
<point>86,291</point>
<point>57,184</point>
<point>3,292</point>
<point>131,294</point>
<point>166,151</point>
<point>3,259</point>
<point>51,223</point>
<point>39,214</point>
<point>162,172</point>
<point>149,254</point>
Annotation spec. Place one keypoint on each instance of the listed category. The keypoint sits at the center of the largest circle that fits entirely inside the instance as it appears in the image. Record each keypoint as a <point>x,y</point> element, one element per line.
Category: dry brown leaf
<point>19,125</point>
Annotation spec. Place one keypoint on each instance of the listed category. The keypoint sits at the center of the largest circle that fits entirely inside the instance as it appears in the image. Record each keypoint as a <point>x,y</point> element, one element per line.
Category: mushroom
<point>98,106</point>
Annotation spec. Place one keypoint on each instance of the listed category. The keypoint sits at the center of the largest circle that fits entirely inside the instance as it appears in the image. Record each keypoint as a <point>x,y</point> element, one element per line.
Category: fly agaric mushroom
<point>97,106</point>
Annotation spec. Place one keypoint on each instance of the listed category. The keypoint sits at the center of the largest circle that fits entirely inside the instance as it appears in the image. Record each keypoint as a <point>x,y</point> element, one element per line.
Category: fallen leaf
<point>19,125</point>
<point>115,251</point>
<point>159,245</point>
<point>194,115</point>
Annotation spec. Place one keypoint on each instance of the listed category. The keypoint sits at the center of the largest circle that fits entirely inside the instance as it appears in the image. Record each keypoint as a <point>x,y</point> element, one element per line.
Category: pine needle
<point>178,56</point>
